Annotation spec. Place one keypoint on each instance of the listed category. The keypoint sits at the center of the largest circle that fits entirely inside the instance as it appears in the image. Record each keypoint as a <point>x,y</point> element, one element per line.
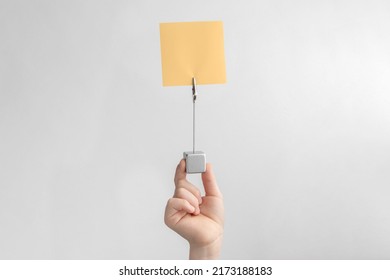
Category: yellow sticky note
<point>192,49</point>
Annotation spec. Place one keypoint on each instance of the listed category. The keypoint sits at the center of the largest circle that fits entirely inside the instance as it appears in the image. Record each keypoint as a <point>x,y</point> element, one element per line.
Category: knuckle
<point>179,192</point>
<point>179,181</point>
<point>170,201</point>
<point>181,184</point>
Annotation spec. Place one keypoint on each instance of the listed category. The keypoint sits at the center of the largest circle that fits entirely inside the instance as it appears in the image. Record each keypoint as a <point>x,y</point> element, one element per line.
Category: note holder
<point>189,50</point>
<point>195,160</point>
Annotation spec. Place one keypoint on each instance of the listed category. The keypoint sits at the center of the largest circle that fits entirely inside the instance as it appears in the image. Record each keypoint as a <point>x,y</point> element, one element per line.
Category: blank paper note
<point>192,49</point>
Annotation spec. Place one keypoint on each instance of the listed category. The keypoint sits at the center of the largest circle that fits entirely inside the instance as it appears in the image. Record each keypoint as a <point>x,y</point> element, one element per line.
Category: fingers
<point>181,181</point>
<point>189,196</point>
<point>177,204</point>
<point>185,194</point>
<point>176,209</point>
<point>209,182</point>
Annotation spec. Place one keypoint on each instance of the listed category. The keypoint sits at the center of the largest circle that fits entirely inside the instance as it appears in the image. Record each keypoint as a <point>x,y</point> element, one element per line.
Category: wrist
<point>206,252</point>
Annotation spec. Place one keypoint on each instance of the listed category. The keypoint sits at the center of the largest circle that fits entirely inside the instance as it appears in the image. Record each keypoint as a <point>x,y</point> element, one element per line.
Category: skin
<point>197,219</point>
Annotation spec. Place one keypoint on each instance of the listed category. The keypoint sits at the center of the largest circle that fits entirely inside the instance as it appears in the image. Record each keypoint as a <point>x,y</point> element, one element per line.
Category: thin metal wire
<point>193,126</point>
<point>193,112</point>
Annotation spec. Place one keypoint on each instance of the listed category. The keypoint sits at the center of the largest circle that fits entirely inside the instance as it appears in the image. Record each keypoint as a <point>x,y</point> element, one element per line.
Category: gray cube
<point>195,162</point>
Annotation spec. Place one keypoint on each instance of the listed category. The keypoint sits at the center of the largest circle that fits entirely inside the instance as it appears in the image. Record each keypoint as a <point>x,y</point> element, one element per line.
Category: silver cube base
<point>195,162</point>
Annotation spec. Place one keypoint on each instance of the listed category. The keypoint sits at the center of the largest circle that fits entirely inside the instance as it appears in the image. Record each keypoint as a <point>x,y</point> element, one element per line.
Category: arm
<point>197,219</point>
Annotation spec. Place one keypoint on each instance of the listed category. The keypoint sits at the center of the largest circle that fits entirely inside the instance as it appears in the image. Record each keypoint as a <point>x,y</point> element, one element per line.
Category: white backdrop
<point>299,136</point>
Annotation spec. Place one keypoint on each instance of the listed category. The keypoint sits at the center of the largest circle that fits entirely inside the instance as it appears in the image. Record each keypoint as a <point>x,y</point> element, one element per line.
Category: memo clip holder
<point>183,58</point>
<point>195,160</point>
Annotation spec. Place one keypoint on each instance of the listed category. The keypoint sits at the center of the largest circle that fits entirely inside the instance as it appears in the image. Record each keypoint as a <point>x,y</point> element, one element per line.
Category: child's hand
<point>198,219</point>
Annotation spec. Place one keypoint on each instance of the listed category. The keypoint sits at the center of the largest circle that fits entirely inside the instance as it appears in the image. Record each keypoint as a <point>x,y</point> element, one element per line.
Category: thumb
<point>209,182</point>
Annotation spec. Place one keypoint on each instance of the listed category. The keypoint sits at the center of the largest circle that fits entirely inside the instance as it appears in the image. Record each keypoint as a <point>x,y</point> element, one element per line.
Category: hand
<point>197,219</point>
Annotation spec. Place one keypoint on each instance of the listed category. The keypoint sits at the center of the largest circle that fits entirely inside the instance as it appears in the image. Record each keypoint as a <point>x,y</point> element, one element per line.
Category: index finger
<point>181,181</point>
<point>180,172</point>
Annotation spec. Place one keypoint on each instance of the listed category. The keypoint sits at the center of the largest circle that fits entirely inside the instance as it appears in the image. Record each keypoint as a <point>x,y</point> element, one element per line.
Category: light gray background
<point>299,136</point>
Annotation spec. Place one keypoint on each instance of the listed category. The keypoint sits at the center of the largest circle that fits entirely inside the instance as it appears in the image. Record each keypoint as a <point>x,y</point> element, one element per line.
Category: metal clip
<point>194,93</point>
